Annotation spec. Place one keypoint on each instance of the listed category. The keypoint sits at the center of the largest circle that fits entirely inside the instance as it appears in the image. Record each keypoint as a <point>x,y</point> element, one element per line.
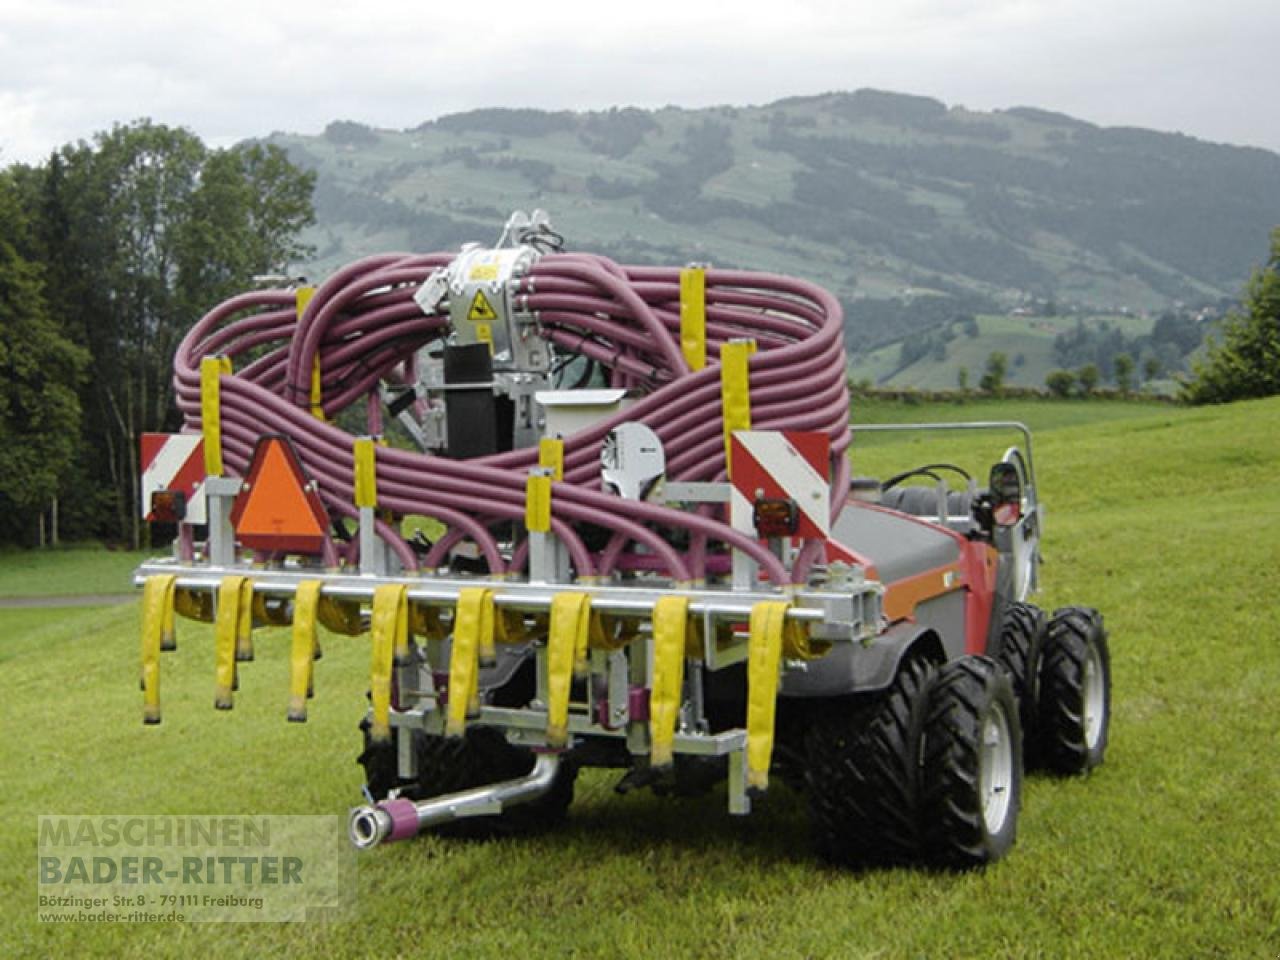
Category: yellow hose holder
<point>693,317</point>
<point>366,475</point>
<point>233,635</point>
<point>670,625</point>
<point>551,456</point>
<point>390,642</point>
<point>566,655</point>
<point>735,390</point>
<point>537,508</point>
<point>157,625</point>
<point>473,630</point>
<point>211,371</point>
<point>302,653</point>
<point>764,656</point>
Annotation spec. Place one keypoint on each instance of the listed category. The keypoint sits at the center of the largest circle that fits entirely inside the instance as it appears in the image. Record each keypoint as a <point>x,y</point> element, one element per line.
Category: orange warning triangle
<point>279,508</point>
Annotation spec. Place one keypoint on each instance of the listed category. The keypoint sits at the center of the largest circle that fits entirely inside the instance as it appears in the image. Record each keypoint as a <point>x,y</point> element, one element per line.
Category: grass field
<point>76,570</point>
<point>1166,519</point>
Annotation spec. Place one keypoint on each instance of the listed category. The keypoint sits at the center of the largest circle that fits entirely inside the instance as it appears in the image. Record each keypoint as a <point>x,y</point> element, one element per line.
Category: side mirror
<point>1006,494</point>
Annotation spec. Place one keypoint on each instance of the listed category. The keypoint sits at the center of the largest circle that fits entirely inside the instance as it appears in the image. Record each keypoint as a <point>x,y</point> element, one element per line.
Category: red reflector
<point>168,506</point>
<point>776,518</point>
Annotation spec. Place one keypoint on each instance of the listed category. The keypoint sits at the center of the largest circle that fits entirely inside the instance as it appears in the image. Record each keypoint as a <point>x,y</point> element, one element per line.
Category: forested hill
<point>913,212</point>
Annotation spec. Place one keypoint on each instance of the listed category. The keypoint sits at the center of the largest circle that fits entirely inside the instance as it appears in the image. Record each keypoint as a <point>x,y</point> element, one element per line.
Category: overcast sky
<point>240,69</point>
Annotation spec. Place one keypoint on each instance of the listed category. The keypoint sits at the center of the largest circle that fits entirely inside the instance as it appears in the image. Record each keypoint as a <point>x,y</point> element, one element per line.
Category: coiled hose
<point>365,327</point>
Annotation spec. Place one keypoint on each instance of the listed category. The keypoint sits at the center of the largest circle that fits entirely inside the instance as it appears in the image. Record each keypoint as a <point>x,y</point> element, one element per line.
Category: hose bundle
<point>362,327</point>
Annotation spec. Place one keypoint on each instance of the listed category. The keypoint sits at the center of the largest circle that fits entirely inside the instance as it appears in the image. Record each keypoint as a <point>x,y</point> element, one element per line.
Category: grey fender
<point>855,668</point>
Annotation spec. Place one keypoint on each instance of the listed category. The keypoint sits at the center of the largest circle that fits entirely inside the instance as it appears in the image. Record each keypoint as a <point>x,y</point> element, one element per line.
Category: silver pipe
<point>401,818</point>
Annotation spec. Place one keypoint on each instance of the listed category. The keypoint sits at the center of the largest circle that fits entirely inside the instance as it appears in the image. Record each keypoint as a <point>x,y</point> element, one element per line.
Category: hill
<point>910,210</point>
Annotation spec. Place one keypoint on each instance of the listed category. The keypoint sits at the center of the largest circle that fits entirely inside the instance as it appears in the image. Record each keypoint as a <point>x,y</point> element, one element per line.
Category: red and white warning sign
<point>174,463</point>
<point>783,469</point>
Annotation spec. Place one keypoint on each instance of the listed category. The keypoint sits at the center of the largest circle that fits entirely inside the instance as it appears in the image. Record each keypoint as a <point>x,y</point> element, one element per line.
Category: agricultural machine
<point>593,515</point>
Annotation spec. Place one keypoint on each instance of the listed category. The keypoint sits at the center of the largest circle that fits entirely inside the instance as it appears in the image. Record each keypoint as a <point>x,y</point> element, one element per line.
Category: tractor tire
<point>972,765</point>
<point>479,758</point>
<point>862,772</point>
<point>1075,693</point>
<point>1019,650</point>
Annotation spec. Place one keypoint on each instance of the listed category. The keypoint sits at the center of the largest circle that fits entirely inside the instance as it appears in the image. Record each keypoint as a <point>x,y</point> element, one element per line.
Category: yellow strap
<point>211,370</point>
<point>390,642</point>
<point>232,613</point>
<point>693,316</point>
<point>509,627</point>
<point>425,621</point>
<point>566,649</point>
<point>473,627</point>
<point>366,483</point>
<point>551,456</point>
<point>764,654</point>
<point>244,621</point>
<point>303,650</point>
<point>340,616</point>
<point>157,615</point>
<point>735,389</point>
<point>670,623</point>
<point>537,506</point>
<point>193,604</point>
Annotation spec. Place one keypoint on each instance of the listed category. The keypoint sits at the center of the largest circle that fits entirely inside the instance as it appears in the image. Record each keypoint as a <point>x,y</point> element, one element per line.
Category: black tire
<point>1075,692</point>
<point>863,771</point>
<point>972,765</point>
<point>481,757</point>
<point>1019,650</point>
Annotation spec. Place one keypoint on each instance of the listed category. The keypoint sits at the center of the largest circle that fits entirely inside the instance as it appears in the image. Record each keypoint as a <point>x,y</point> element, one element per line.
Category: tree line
<point>110,250</point>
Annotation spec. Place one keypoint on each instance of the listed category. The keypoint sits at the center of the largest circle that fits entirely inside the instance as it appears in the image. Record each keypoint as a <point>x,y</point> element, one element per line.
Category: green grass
<point>1164,518</point>
<point>67,571</point>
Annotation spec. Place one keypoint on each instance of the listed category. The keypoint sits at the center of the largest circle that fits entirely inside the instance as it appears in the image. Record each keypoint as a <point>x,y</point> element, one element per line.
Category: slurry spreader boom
<point>599,515</point>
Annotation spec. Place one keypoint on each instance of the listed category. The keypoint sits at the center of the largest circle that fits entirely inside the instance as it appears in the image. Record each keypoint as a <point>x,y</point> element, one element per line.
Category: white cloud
<point>240,69</point>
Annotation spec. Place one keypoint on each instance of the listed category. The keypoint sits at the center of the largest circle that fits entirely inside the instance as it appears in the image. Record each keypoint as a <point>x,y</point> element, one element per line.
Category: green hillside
<point>909,210</point>
<point>1168,850</point>
<point>1027,342</point>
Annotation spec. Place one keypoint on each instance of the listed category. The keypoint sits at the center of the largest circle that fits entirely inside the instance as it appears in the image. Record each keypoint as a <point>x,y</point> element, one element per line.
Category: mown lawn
<point>1166,519</point>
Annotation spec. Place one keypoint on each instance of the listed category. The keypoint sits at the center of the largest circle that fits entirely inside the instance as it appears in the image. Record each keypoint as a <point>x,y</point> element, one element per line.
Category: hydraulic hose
<point>362,327</point>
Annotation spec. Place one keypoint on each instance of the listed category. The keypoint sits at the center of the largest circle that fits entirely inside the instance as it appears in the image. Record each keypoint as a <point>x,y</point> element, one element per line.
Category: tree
<point>39,373</point>
<point>1151,368</point>
<point>1246,362</point>
<point>141,232</point>
<point>962,379</point>
<point>1123,367</point>
<point>993,380</point>
<point>1088,376</point>
<point>1060,382</point>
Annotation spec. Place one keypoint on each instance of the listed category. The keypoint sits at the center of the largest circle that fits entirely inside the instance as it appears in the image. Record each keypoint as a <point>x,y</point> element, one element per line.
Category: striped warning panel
<point>782,465</point>
<point>174,461</point>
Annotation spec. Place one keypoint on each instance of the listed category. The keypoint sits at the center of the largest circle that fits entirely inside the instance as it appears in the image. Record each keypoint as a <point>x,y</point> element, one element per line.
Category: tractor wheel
<point>863,771</point>
<point>1075,692</point>
<point>481,757</point>
<point>1020,649</point>
<point>972,765</point>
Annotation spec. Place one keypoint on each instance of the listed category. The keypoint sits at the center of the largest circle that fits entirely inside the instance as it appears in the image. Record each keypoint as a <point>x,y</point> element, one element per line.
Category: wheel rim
<point>995,776</point>
<point>1095,697</point>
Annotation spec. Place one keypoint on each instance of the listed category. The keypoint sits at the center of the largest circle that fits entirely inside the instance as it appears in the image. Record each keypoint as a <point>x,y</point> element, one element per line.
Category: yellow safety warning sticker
<point>483,271</point>
<point>481,310</point>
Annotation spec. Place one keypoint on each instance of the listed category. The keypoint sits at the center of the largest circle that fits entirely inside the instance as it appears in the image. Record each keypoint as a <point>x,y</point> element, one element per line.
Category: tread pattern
<point>863,772</point>
<point>1062,748</point>
<point>955,830</point>
<point>1020,650</point>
